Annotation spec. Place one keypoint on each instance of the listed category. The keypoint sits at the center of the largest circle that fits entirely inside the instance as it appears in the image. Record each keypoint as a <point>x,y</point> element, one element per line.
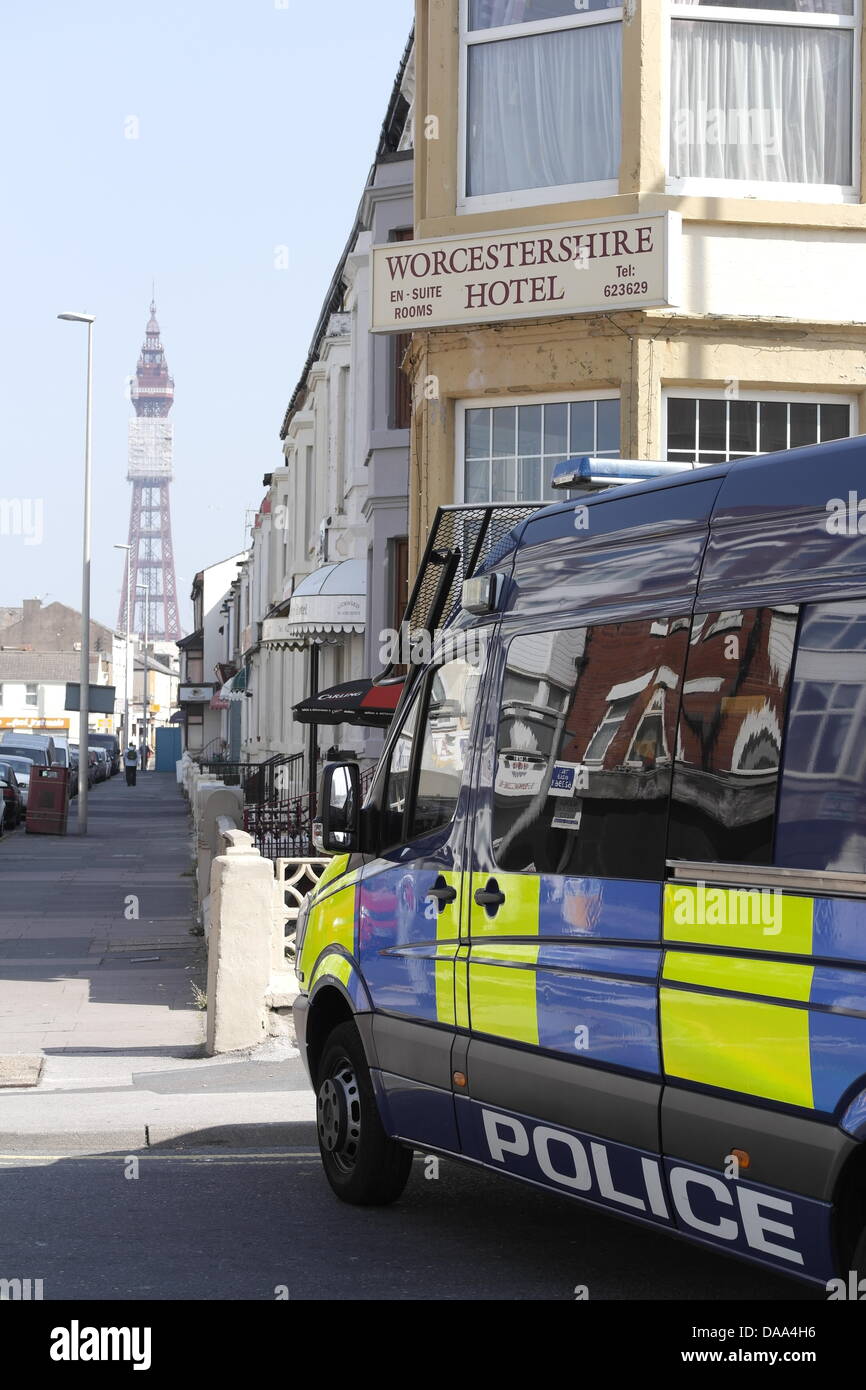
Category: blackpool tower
<point>149,470</point>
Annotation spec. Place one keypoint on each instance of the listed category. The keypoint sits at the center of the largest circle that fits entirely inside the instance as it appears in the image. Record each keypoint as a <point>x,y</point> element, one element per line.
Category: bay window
<point>541,100</point>
<point>763,92</point>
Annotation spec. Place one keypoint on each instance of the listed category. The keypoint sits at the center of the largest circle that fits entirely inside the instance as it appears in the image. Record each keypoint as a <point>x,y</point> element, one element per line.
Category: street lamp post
<point>84,674</point>
<point>145,589</point>
<point>129,599</point>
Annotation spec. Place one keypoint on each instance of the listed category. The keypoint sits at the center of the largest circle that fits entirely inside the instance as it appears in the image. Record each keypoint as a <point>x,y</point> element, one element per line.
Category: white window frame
<point>657,708</point>
<point>486,402</point>
<point>526,197</point>
<point>609,720</point>
<point>849,764</point>
<point>749,188</point>
<point>715,393</point>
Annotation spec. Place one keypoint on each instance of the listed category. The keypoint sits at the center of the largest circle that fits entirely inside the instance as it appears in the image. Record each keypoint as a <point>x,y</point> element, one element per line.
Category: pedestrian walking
<point>143,755</point>
<point>130,763</point>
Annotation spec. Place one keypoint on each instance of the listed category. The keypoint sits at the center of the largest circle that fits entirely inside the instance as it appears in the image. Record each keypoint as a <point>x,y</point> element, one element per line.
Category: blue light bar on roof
<point>592,474</point>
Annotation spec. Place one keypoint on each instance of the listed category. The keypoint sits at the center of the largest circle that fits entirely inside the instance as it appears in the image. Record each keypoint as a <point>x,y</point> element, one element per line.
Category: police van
<point>600,922</point>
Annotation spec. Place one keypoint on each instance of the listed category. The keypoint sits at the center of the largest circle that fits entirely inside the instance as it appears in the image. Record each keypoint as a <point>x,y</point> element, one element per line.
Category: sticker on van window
<point>569,817</point>
<point>564,779</point>
<point>516,776</point>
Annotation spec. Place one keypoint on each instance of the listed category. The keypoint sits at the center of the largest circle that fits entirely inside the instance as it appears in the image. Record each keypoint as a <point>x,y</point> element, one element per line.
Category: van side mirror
<point>337,830</point>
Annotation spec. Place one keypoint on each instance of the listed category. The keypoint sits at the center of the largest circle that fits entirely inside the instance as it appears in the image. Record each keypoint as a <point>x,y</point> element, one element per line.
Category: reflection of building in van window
<point>730,735</point>
<point>538,688</point>
<point>587,725</point>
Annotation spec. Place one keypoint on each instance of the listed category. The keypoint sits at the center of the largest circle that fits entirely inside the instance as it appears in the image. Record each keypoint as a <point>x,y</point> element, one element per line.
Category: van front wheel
<point>361,1163</point>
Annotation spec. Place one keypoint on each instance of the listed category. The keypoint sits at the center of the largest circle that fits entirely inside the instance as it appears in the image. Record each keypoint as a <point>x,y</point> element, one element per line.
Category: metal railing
<point>281,829</point>
<point>278,779</point>
<point>276,807</point>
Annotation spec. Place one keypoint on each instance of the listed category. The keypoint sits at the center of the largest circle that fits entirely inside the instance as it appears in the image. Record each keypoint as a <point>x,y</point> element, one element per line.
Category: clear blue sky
<point>258,122</point>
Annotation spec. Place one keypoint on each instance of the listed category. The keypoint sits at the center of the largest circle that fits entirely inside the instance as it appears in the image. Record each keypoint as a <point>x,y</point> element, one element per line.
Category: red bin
<point>47,801</point>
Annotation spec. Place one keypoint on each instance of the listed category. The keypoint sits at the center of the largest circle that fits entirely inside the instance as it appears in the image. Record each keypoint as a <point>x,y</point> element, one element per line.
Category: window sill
<point>745,191</point>
<point>537,197</point>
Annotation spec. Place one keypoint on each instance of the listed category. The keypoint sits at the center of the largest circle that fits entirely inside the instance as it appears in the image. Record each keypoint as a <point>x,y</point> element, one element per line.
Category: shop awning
<point>233,689</point>
<point>329,602</point>
<point>355,702</point>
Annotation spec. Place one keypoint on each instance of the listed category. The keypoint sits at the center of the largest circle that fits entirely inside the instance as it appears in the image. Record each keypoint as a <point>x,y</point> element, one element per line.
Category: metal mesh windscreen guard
<point>462,541</point>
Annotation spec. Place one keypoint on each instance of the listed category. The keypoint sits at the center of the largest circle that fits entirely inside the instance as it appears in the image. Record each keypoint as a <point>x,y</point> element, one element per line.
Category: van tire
<point>363,1166</point>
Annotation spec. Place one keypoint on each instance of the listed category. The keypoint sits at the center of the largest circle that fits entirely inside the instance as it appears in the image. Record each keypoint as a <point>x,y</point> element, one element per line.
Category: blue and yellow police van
<point>600,921</point>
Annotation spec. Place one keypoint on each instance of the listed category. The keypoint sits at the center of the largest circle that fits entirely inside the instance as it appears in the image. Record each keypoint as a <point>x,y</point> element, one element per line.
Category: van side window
<point>452,694</point>
<point>729,743</point>
<point>587,732</point>
<point>433,756</point>
<point>822,796</point>
<point>397,785</point>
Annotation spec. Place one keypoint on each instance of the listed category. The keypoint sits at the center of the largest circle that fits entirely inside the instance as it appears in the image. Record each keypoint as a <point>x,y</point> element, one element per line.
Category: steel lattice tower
<point>150,472</point>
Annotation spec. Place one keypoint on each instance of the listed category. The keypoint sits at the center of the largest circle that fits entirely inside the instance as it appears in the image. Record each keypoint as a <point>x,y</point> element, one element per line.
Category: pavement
<point>101,978</point>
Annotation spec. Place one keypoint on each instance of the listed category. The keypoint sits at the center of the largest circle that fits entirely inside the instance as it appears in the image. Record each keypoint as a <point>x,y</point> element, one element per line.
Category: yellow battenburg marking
<point>737,1045</point>
<point>742,974</point>
<point>518,915</point>
<point>745,919</point>
<point>333,964</point>
<point>447,930</point>
<point>505,953</point>
<point>330,923</point>
<point>334,870</point>
<point>502,998</point>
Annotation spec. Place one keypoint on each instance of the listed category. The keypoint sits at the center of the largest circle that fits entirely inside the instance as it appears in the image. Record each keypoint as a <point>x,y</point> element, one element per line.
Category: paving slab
<point>22,1069</point>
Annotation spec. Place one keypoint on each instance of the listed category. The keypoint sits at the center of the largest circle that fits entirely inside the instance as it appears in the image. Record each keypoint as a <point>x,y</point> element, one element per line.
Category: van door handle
<point>443,893</point>
<point>490,897</point>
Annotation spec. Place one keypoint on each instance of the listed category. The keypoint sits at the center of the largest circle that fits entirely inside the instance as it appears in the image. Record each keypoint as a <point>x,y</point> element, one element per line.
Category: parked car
<point>22,749</point>
<point>22,767</point>
<point>91,764</point>
<point>24,741</point>
<point>61,751</point>
<point>103,766</point>
<point>112,747</point>
<point>12,805</point>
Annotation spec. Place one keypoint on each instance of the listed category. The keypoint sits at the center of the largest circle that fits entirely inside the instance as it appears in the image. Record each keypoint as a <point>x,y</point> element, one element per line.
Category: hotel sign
<point>576,268</point>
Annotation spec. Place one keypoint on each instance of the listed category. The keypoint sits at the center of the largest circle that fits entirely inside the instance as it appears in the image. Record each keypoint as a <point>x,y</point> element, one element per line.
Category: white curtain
<point>544,111</point>
<point>761,102</point>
